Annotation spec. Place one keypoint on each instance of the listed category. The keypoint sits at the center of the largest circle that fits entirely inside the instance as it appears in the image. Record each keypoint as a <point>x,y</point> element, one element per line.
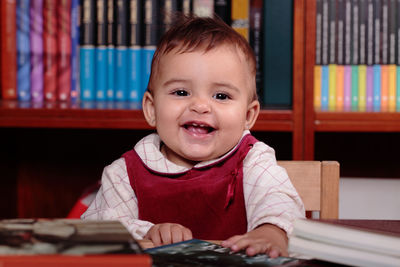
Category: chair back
<point>317,183</point>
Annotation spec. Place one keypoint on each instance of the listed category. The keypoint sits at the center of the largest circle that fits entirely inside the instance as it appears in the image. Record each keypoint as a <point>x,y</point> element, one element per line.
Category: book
<point>332,61</point>
<point>347,55</point>
<point>376,105</point>
<point>318,61</point>
<point>256,38</point>
<point>87,50</point>
<point>23,51</point>
<point>8,49</point>
<point>64,48</point>
<point>340,55</point>
<point>203,8</point>
<point>36,45</point>
<point>50,50</point>
<point>392,56</point>
<point>75,28</point>
<point>384,55</point>
<point>278,53</point>
<point>151,36</point>
<point>111,31</point>
<point>72,237</point>
<point>135,51</point>
<point>197,252</point>
<point>186,6</point>
<point>324,54</point>
<point>101,50</point>
<point>121,50</point>
<point>240,17</point>
<point>345,244</point>
<point>222,8</point>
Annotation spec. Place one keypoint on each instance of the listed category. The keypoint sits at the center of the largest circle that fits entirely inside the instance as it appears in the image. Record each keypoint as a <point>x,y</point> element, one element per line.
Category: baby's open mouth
<point>198,128</point>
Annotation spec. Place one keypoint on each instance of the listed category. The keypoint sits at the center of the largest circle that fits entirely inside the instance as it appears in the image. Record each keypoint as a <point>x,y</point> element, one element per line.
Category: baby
<point>202,174</point>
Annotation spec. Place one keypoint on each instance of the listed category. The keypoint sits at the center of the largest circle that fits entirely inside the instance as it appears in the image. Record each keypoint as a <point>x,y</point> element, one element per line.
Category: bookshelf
<point>49,154</point>
<point>357,134</point>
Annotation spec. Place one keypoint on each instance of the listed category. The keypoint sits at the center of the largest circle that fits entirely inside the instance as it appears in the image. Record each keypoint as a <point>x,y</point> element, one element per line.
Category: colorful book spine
<point>36,43</point>
<point>332,87</point>
<point>318,47</point>
<point>23,51</point>
<point>8,49</point>
<point>111,30</point>
<point>377,88</point>
<point>398,58</point>
<point>203,8</point>
<point>347,55</point>
<point>384,88</point>
<point>347,88</point>
<point>324,87</point>
<point>64,48</point>
<point>50,50</point>
<point>256,38</point>
<point>391,87</point>
<point>240,17</point>
<point>354,87</point>
<point>377,56</point>
<point>222,9</point>
<point>151,35</point>
<point>362,75</point>
<point>340,56</point>
<point>355,55</point>
<point>75,25</point>
<point>121,53</point>
<point>324,55</point>
<point>101,50</point>
<point>362,87</point>
<point>370,55</point>
<point>385,56</point>
<point>392,56</point>
<point>135,91</point>
<point>398,88</point>
<point>87,50</point>
<point>168,9</point>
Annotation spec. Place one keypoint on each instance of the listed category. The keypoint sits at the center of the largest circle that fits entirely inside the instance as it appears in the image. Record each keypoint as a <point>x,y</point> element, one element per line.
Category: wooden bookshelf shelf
<point>357,121</point>
<point>70,116</point>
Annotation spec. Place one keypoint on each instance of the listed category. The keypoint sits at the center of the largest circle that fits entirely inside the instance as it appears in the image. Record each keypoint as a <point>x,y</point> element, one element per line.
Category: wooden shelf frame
<point>323,121</point>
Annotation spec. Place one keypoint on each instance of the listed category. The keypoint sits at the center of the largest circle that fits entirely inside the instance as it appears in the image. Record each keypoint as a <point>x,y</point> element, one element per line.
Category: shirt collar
<point>148,150</point>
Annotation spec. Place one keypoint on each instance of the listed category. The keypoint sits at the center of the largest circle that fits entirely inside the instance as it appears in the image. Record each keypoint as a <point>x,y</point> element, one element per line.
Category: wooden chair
<point>317,183</point>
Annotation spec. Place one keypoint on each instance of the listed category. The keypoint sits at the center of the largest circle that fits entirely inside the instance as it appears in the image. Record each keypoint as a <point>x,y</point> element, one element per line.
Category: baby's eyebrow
<point>172,81</point>
<point>227,85</point>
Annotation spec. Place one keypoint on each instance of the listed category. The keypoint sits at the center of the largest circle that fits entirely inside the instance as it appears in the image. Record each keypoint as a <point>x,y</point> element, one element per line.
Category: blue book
<point>135,65</point>
<point>88,50</point>
<point>121,53</point>
<point>376,102</point>
<point>324,87</point>
<point>23,51</point>
<point>151,34</point>
<point>74,50</point>
<point>110,50</point>
<point>101,50</point>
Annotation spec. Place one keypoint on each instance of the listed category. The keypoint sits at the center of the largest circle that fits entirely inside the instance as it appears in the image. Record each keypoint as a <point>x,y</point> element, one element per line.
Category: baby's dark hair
<point>192,33</point>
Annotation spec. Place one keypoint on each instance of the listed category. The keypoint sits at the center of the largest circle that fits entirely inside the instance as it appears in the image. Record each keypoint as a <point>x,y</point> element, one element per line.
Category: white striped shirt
<point>268,192</point>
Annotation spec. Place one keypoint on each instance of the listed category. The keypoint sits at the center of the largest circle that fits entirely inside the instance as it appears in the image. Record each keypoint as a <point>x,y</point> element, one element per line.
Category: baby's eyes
<point>180,92</point>
<point>221,96</point>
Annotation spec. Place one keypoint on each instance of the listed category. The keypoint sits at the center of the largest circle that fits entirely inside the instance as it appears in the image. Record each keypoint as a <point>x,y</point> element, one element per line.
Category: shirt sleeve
<point>116,200</point>
<point>270,196</point>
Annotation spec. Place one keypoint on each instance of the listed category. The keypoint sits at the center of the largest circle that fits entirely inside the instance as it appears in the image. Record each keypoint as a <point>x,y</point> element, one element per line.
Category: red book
<point>50,49</point>
<point>64,48</point>
<point>8,49</point>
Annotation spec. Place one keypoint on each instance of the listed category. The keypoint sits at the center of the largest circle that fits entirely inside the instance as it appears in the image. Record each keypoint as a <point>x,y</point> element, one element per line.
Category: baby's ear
<point>148,109</point>
<point>252,113</point>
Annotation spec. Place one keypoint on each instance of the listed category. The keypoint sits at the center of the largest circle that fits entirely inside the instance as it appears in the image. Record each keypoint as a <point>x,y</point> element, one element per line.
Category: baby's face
<point>201,103</point>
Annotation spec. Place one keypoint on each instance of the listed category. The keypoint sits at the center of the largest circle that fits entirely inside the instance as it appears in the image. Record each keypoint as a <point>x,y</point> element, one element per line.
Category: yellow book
<point>339,87</point>
<point>332,87</point>
<point>317,87</point>
<point>362,87</point>
<point>391,87</point>
<point>384,88</point>
<point>240,17</point>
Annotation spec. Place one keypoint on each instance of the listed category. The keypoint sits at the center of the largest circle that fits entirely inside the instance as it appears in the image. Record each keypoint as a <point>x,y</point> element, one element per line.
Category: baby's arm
<point>116,200</point>
<point>272,204</point>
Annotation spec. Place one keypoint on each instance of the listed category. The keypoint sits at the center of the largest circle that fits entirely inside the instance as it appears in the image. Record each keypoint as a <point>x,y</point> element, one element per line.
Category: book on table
<point>346,243</point>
